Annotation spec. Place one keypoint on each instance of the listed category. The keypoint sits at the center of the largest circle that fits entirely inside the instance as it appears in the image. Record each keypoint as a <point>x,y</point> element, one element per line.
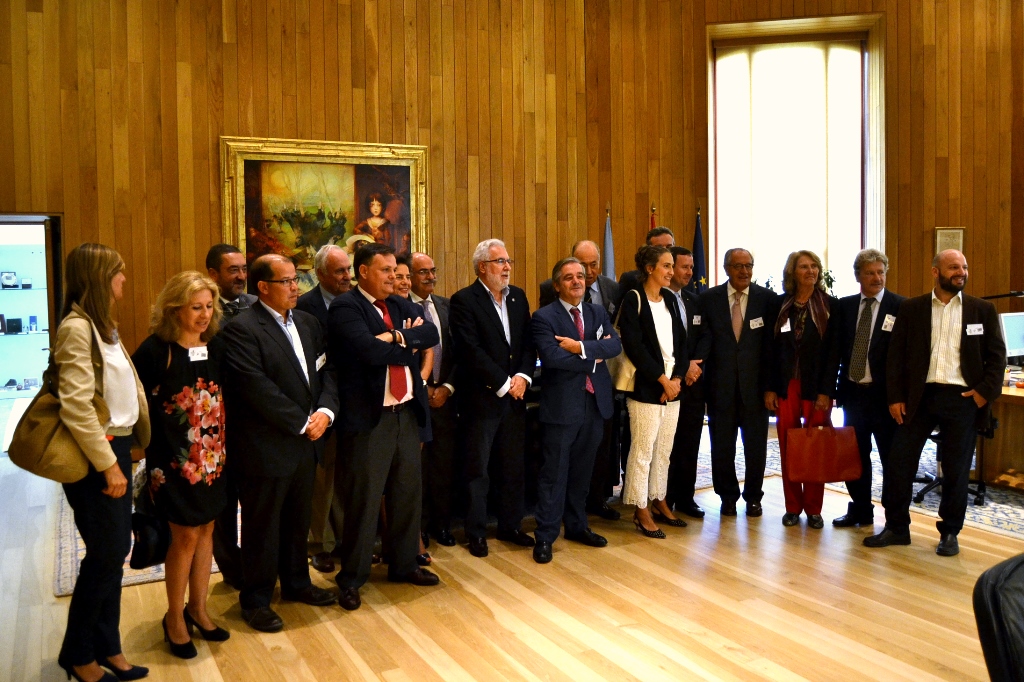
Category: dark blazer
<point>266,394</point>
<point>448,364</point>
<point>247,299</point>
<point>486,359</point>
<point>628,280</point>
<point>564,374</point>
<point>729,363</point>
<point>878,349</point>
<point>695,327</point>
<point>982,356</point>
<point>353,324</point>
<point>640,343</point>
<point>312,302</point>
<point>817,357</point>
<point>609,294</point>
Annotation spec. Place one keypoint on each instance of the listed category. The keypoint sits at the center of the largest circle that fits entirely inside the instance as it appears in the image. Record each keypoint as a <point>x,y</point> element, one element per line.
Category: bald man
<point>945,367</point>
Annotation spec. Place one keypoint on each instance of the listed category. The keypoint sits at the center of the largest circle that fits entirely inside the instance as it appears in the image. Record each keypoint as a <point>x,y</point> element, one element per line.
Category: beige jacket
<point>82,408</point>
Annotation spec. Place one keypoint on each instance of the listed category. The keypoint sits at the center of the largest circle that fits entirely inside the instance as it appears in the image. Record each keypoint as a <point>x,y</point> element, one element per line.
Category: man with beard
<point>947,378</point>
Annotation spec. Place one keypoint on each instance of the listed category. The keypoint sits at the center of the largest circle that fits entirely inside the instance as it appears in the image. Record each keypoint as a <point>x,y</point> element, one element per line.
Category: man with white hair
<point>490,328</point>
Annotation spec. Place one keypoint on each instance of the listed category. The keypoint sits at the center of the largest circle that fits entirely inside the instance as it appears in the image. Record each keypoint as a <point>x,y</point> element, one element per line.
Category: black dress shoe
<point>604,511</point>
<point>312,595</point>
<point>478,547</point>
<point>790,519</point>
<point>728,507</point>
<point>542,552</point>
<point>444,537</point>
<point>851,520</point>
<point>516,537</point>
<point>586,536</point>
<point>886,538</point>
<point>948,546</point>
<point>322,562</point>
<point>421,577</point>
<point>348,598</point>
<point>815,521</point>
<point>690,509</point>
<point>754,509</point>
<point>263,618</point>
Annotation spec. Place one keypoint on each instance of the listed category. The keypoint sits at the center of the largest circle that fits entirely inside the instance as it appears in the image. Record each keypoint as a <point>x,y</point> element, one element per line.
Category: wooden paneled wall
<point>537,114</point>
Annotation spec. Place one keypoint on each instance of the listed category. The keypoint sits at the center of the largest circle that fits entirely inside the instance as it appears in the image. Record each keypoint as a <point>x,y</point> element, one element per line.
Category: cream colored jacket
<point>82,408</point>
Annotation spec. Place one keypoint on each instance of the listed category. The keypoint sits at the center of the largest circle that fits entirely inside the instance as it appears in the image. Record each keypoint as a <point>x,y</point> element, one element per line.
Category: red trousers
<point>794,413</point>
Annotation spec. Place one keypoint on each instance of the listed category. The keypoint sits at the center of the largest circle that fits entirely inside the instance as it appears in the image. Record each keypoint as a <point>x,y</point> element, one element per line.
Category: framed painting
<point>292,197</point>
<point>949,238</point>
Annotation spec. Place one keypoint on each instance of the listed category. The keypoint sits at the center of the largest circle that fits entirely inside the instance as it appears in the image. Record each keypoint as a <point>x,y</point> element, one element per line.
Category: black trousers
<point>499,435</point>
<point>383,461</point>
<point>105,525</point>
<point>867,411</point>
<point>439,469</point>
<point>606,459</point>
<point>225,531</point>
<point>682,470</point>
<point>276,512</point>
<point>565,473</point>
<point>752,424</point>
<point>942,406</point>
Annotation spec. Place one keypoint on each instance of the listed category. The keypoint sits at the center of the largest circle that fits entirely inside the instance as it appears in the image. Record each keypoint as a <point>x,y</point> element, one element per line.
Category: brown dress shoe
<point>322,562</point>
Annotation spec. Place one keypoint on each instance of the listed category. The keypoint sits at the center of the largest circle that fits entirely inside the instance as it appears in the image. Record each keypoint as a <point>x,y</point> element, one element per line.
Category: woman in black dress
<point>180,367</point>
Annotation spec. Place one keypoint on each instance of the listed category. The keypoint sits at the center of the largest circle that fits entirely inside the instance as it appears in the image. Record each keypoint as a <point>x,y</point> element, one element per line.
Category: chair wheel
<point>918,499</point>
<point>979,501</point>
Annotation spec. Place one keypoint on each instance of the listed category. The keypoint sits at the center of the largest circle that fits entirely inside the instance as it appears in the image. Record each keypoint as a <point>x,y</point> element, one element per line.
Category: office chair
<point>999,612</point>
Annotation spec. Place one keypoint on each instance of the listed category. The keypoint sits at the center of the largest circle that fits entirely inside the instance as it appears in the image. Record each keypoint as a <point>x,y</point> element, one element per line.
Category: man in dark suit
<point>226,266</point>
<point>656,236</point>
<point>376,336</point>
<point>945,366</point>
<point>282,398</point>
<point>738,319</point>
<point>682,471</point>
<point>866,323</point>
<point>439,476</point>
<point>334,274</point>
<point>490,326</point>
<point>603,291</point>
<point>573,339</point>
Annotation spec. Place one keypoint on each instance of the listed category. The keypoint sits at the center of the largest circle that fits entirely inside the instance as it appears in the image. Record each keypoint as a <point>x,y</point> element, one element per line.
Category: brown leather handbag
<point>822,454</point>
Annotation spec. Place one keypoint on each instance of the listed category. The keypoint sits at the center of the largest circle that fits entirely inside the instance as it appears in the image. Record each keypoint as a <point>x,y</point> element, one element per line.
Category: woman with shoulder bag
<point>654,340</point>
<point>103,406</point>
<point>180,367</point>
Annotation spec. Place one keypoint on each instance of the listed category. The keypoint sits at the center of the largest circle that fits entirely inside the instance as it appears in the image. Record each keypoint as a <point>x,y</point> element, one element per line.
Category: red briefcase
<point>822,454</point>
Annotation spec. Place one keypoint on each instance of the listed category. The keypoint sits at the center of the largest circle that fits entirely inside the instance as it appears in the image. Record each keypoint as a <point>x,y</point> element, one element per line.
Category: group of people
<point>370,405</point>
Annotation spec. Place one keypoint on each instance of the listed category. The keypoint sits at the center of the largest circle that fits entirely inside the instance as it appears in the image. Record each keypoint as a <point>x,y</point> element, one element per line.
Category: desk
<point>1006,449</point>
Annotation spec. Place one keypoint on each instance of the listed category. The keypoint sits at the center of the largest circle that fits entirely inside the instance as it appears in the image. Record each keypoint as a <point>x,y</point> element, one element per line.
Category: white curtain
<point>788,140</point>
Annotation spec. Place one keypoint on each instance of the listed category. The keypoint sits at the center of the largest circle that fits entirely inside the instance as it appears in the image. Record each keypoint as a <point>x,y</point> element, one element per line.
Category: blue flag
<point>609,247</point>
<point>699,283</point>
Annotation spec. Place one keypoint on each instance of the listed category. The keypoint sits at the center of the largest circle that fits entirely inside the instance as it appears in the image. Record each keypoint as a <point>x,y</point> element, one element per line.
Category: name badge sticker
<point>321,361</point>
<point>786,327</point>
<point>696,319</point>
<point>198,354</point>
<point>975,329</point>
<point>888,323</point>
<point>756,323</point>
<point>600,331</point>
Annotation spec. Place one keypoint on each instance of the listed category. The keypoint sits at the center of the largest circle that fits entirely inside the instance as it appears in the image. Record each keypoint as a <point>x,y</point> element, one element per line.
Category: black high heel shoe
<point>657,534</point>
<point>136,672</point>
<point>661,518</point>
<point>217,634</point>
<point>70,670</point>
<point>186,650</point>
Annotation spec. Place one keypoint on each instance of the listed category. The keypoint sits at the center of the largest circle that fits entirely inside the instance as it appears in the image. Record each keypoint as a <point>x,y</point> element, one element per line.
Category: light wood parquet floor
<point>723,599</point>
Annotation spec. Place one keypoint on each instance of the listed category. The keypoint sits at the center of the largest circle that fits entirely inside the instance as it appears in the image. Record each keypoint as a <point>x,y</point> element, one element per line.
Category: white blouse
<point>119,387</point>
<point>663,326</point>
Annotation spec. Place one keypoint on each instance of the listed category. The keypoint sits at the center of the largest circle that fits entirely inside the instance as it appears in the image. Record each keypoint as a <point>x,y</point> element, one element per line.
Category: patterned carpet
<point>1003,512</point>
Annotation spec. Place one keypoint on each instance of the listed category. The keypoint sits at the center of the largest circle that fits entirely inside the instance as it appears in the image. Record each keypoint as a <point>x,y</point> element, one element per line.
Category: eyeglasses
<point>424,272</point>
<point>742,266</point>
<point>287,281</point>
<point>500,261</point>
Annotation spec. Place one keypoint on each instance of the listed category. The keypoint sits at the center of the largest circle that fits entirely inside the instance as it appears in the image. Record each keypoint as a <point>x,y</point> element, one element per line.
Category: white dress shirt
<point>390,400</point>
<point>119,386</point>
<point>871,330</point>
<point>743,298</point>
<point>947,325</point>
<point>502,309</point>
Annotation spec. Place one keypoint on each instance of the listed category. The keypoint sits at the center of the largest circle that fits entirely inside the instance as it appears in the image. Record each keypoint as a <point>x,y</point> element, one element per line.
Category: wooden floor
<point>721,599</point>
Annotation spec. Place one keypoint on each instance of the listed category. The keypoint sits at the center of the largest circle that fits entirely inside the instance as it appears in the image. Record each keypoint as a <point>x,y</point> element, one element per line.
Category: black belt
<point>395,408</point>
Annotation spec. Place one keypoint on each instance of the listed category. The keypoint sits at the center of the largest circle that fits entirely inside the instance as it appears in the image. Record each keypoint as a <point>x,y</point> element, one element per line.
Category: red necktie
<point>578,319</point>
<point>399,387</point>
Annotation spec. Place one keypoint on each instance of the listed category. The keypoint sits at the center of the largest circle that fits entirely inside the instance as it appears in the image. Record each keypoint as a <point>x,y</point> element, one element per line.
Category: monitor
<point>1013,333</point>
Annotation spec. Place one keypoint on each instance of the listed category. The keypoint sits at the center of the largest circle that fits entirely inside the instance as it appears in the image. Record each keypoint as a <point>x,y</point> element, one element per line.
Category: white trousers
<point>653,428</point>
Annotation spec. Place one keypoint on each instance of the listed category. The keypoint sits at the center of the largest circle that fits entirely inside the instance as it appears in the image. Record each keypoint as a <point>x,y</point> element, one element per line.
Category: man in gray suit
<point>439,484</point>
<point>226,266</point>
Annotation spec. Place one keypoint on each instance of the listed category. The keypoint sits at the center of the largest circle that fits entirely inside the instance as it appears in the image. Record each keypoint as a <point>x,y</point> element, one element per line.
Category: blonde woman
<point>180,367</point>
<point>103,406</point>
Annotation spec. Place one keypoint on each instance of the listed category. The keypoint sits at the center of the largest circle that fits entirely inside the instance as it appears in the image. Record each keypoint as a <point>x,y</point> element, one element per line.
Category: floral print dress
<point>186,457</point>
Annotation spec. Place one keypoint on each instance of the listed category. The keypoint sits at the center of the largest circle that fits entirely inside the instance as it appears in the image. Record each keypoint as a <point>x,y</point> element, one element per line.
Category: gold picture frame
<point>293,196</point>
<point>949,238</point>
